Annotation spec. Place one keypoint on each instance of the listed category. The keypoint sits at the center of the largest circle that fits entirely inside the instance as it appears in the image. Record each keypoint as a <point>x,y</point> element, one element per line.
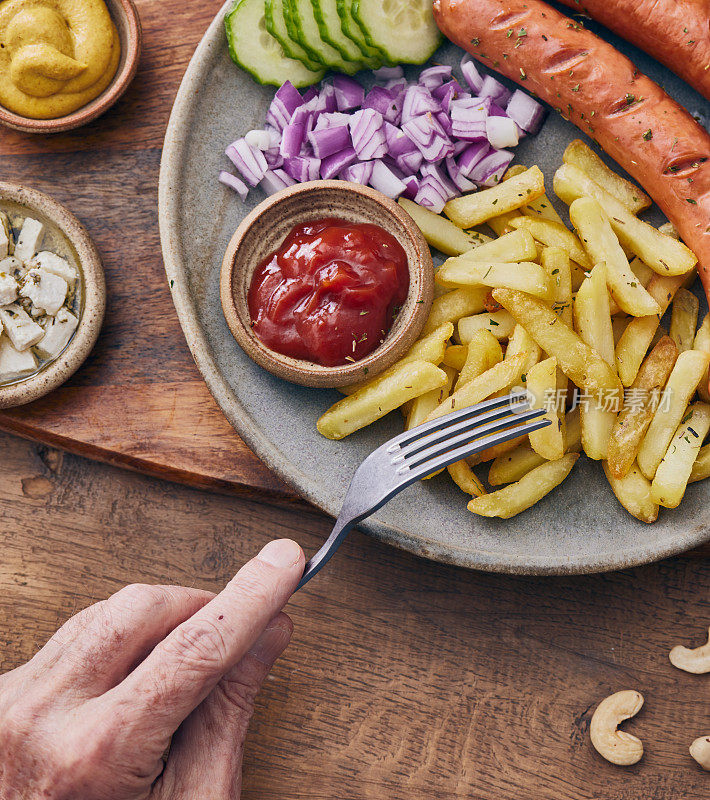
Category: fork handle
<point>340,530</point>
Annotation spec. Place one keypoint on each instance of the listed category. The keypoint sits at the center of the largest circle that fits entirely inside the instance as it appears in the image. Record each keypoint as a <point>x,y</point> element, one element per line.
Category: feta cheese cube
<point>8,289</point>
<point>20,327</point>
<point>55,264</point>
<point>13,363</point>
<point>5,236</point>
<point>46,290</point>
<point>29,239</point>
<point>59,331</point>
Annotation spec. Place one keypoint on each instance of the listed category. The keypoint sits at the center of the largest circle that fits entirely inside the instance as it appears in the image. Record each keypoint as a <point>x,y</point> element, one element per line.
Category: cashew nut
<point>696,661</point>
<point>614,745</point>
<point>700,750</point>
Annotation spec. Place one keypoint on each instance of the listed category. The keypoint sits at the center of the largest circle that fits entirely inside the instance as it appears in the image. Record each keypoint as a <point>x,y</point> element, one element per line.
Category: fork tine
<point>407,437</point>
<point>467,436</point>
<point>445,433</point>
<point>477,446</point>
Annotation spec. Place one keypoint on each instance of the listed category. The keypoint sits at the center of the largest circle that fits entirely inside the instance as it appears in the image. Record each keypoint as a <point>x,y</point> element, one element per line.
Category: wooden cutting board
<point>139,401</point>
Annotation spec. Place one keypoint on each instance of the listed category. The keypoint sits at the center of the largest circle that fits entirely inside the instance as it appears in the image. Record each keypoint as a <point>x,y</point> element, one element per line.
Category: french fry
<point>542,208</point>
<point>440,232</point>
<point>702,342</point>
<point>522,494</point>
<point>583,157</point>
<point>602,245</point>
<point>499,323</point>
<point>541,386</point>
<point>522,343</point>
<point>455,356</point>
<point>668,229</point>
<point>684,319</point>
<point>431,348</point>
<point>501,225</point>
<point>554,234</point>
<point>512,465</point>
<point>464,477</point>
<point>701,467</point>
<point>582,365</point>
<point>527,276</point>
<point>450,307</point>
<point>642,271</point>
<point>555,262</point>
<point>503,374</point>
<point>637,337</point>
<point>387,392</point>
<point>477,207</point>
<point>513,246</point>
<point>420,407</point>
<point>591,314</point>
<point>633,491</point>
<point>483,352</point>
<point>671,478</point>
<point>636,415</point>
<point>684,378</point>
<point>665,255</point>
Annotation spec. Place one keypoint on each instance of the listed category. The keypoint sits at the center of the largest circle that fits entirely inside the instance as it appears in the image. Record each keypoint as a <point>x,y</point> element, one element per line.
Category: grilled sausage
<point>589,82</point>
<point>676,33</point>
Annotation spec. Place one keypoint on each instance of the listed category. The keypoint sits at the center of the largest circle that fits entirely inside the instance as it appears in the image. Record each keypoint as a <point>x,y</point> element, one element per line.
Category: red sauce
<point>330,293</point>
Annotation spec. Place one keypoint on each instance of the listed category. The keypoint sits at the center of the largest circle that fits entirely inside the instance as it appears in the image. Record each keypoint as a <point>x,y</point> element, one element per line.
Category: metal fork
<point>419,452</point>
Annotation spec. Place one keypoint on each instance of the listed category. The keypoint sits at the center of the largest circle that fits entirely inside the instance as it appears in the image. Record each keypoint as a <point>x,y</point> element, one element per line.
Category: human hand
<point>90,716</point>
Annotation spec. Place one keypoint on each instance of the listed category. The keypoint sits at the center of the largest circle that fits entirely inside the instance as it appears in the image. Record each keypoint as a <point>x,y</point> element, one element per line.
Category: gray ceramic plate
<point>578,528</point>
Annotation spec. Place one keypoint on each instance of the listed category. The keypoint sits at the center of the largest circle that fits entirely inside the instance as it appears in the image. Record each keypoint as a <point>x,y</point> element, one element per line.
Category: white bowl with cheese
<point>52,294</point>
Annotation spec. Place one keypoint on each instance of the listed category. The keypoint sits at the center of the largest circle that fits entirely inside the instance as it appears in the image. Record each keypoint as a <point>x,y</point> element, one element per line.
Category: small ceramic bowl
<point>67,237</point>
<point>125,17</point>
<point>265,228</point>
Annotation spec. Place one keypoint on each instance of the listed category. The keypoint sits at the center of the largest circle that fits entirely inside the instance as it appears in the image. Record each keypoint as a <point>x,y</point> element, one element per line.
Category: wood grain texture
<point>405,679</point>
<point>139,400</point>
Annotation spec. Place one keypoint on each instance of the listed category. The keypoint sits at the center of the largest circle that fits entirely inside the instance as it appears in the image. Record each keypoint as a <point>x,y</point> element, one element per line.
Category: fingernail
<point>281,553</point>
<point>272,642</point>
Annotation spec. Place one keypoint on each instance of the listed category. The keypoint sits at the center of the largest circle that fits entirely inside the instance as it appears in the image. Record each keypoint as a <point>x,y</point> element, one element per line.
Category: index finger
<point>184,668</point>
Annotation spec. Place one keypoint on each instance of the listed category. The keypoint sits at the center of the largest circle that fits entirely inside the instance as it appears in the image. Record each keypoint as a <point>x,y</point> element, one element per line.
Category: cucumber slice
<point>352,30</point>
<point>328,22</point>
<point>302,28</point>
<point>255,50</point>
<point>404,29</point>
<point>275,25</point>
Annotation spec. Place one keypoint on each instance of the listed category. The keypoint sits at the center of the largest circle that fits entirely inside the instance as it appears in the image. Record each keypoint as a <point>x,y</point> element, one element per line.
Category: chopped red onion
<point>471,157</point>
<point>348,93</point>
<point>430,195</point>
<point>327,141</point>
<point>275,180</point>
<point>412,184</point>
<point>292,139</point>
<point>452,86</point>
<point>491,168</point>
<point>335,164</point>
<point>434,76</point>
<point>309,94</point>
<point>417,101</point>
<point>460,181</point>
<point>388,73</point>
<point>471,75</point>
<point>332,120</point>
<point>495,90</point>
<point>273,158</point>
<point>248,160</point>
<point>428,135</point>
<point>367,134</point>
<point>525,111</point>
<point>501,132</point>
<point>397,141</point>
<point>433,171</point>
<point>260,139</point>
<point>385,103</point>
<point>286,100</point>
<point>358,173</point>
<point>302,168</point>
<point>410,162</point>
<point>234,183</point>
<point>385,181</point>
<point>396,86</point>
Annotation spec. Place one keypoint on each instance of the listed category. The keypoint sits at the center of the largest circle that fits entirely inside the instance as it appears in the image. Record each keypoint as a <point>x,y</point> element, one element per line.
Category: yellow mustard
<point>55,55</point>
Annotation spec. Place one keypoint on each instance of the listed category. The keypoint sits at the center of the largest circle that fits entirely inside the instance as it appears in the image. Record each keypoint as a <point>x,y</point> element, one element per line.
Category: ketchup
<point>330,293</point>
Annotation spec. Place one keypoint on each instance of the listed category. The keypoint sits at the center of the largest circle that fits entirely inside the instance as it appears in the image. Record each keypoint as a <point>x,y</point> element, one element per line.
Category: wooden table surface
<point>406,679</point>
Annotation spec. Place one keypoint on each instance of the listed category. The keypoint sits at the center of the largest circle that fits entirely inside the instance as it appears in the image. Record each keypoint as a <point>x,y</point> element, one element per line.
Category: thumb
<point>206,753</point>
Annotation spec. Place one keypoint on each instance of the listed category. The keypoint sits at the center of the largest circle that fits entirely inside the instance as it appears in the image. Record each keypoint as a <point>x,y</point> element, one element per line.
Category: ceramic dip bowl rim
<point>58,371</point>
<point>251,243</point>
<point>125,15</point>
